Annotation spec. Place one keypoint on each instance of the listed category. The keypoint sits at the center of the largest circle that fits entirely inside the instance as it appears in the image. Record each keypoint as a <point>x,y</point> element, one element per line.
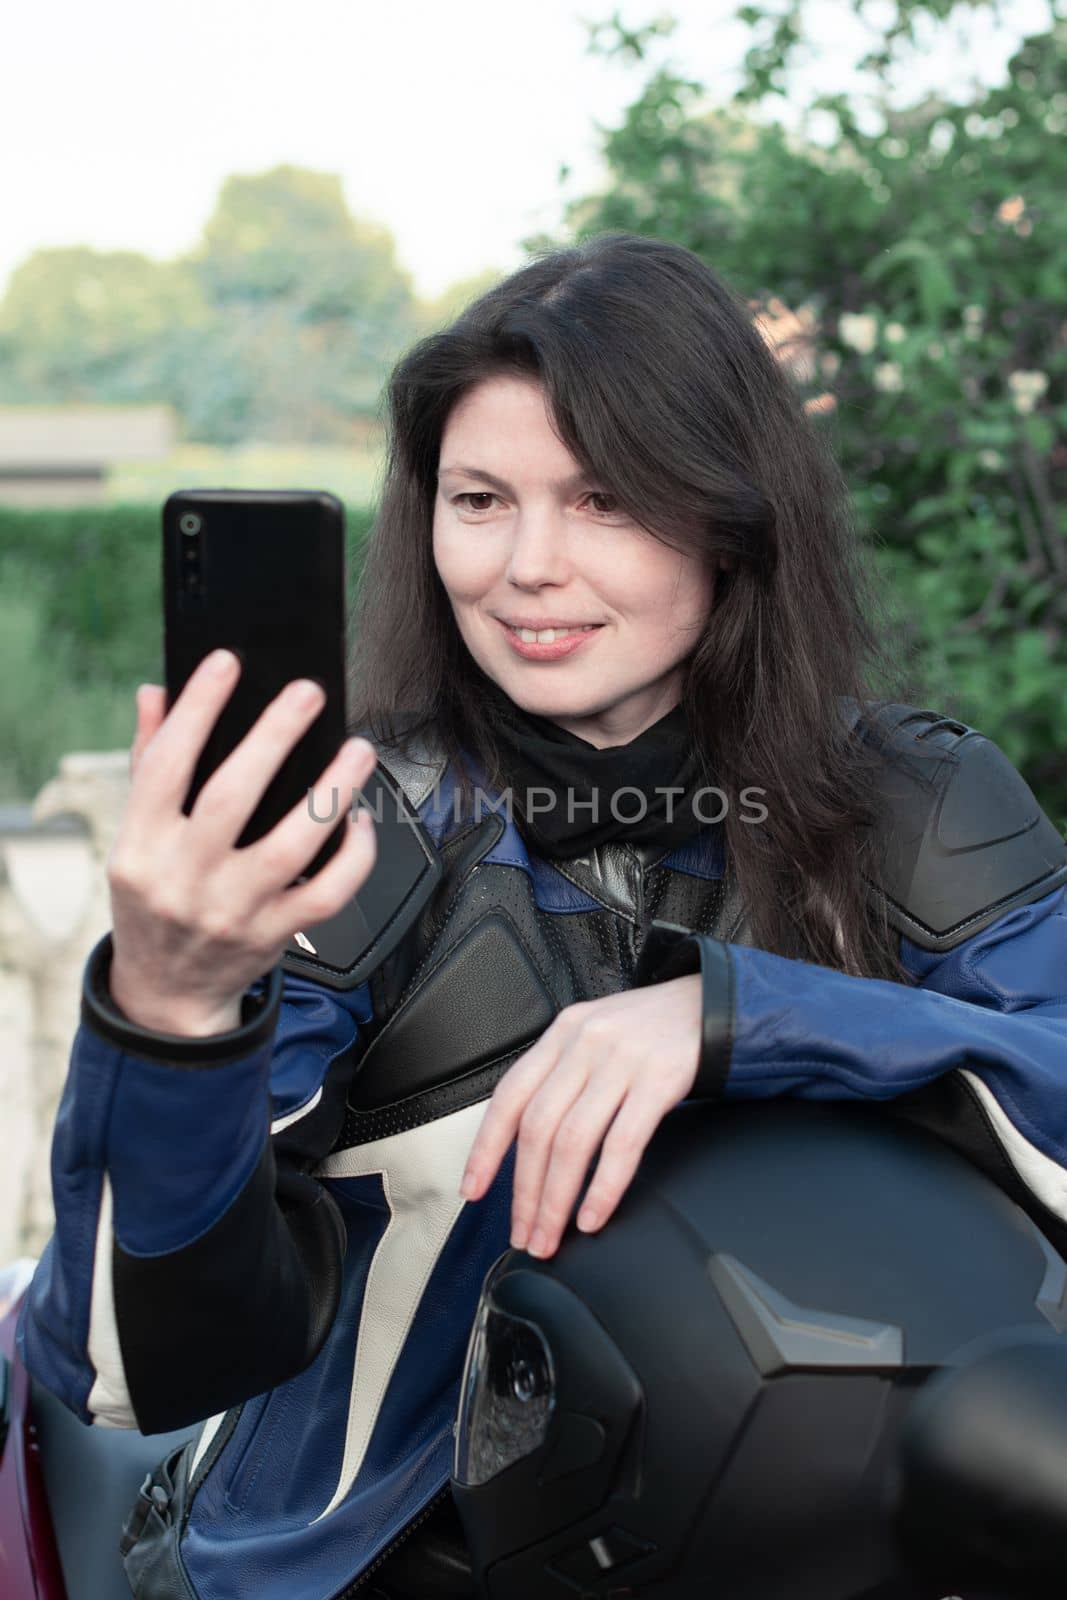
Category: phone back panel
<point>260,572</point>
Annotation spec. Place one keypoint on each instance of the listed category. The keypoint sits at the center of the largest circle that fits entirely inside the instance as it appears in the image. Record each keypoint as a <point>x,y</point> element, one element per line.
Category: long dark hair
<point>664,390</point>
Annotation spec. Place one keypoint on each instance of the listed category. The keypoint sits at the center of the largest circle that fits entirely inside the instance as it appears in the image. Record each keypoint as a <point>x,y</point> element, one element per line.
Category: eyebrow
<point>562,485</point>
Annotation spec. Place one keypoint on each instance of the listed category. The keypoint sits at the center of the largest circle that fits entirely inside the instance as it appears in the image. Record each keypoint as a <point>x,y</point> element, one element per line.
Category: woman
<point>613,585</point>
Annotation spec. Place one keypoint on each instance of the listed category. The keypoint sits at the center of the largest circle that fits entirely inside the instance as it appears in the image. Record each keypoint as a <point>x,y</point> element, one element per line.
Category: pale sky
<point>448,122</point>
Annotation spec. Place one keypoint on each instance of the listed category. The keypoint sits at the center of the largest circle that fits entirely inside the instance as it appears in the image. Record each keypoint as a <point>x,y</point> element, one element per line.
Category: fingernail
<point>221,663</point>
<point>469,1187</point>
<point>519,1234</point>
<point>538,1245</point>
<point>587,1219</point>
<point>307,693</point>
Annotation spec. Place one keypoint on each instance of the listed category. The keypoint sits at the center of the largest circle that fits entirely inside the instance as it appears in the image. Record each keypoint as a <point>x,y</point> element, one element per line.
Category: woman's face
<point>522,541</point>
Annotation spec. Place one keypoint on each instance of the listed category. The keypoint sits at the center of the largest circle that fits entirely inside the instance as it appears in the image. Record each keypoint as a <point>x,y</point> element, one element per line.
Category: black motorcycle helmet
<point>711,1396</point>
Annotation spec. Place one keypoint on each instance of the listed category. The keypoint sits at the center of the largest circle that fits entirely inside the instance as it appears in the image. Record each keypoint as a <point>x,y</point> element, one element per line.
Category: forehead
<point>505,414</point>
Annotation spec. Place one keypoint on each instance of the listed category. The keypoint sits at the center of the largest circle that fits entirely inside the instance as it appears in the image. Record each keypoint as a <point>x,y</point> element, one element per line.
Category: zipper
<point>215,1449</point>
<point>383,1555</point>
<point>639,886</point>
<point>211,1455</point>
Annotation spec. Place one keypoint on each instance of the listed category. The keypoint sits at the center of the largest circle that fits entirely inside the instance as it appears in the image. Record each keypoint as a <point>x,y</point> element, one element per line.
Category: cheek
<point>459,561</point>
<point>700,592</point>
<point>676,590</point>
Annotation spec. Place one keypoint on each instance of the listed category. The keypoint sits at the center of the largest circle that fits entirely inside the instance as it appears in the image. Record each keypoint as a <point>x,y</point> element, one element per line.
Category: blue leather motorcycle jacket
<point>264,1229</point>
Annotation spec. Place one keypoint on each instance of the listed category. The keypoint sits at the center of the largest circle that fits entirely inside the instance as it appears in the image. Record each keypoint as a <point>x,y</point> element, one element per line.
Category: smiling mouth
<point>549,635</point>
<point>549,644</point>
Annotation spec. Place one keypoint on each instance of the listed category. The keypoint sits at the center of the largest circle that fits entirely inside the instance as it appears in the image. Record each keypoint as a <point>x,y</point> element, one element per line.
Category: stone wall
<point>53,908</point>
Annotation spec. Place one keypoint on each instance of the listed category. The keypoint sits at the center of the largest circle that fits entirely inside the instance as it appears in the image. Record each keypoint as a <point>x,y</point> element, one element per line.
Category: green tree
<point>928,262</point>
<point>88,325</point>
<point>280,326</point>
<point>307,308</point>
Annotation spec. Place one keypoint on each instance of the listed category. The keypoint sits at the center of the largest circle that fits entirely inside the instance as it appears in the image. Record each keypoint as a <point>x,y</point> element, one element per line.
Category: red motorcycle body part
<point>29,1560</point>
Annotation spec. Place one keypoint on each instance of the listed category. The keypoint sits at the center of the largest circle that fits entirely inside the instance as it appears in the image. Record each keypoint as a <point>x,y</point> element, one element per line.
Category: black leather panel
<point>483,998</point>
<point>190,1322</point>
<point>964,838</point>
<point>578,956</point>
<point>612,874</point>
<point>342,951</point>
<point>382,1122</point>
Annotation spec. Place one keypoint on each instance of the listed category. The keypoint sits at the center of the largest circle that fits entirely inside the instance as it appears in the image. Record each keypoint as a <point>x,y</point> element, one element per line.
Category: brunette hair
<point>664,390</point>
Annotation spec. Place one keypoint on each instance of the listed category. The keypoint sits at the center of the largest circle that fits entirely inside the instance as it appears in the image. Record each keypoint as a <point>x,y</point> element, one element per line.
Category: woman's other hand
<point>195,919</point>
<point>602,1076</point>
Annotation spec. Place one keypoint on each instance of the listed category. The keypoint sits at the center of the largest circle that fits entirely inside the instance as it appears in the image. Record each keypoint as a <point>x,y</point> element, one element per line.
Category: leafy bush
<point>48,705</point>
<point>80,627</point>
<point>912,265</point>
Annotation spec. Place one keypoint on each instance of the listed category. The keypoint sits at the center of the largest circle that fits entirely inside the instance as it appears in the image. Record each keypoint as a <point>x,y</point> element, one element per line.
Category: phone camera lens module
<point>191,524</point>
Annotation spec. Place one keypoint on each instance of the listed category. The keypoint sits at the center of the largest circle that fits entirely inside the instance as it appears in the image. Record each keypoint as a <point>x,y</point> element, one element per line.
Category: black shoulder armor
<point>965,839</point>
<point>344,950</point>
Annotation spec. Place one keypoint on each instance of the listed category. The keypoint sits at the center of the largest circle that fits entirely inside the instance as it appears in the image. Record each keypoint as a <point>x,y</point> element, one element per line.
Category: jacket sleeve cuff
<point>259,1015</point>
<point>673,952</point>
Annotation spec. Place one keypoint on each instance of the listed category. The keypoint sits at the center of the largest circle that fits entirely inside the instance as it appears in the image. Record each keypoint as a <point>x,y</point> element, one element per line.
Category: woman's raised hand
<point>195,919</point>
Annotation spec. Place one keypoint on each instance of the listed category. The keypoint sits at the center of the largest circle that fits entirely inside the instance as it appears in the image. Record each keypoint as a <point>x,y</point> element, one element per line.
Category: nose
<point>539,549</point>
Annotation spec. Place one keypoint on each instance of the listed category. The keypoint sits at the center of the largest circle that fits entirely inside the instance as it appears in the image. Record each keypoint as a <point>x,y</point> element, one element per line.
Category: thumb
<point>151,709</point>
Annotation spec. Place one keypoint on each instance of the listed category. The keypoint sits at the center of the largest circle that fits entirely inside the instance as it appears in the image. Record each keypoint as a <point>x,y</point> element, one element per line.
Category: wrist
<point>253,1021</point>
<point>670,951</point>
<point>183,1018</point>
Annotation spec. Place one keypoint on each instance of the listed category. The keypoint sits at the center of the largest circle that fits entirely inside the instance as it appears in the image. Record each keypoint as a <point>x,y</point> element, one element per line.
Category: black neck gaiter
<point>567,796</point>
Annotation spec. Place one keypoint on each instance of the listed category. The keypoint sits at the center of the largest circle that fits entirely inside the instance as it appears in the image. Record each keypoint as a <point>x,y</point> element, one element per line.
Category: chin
<point>574,707</point>
<point>546,691</point>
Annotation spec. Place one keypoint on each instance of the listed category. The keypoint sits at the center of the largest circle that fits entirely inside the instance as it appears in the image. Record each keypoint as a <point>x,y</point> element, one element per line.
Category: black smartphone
<point>261,572</point>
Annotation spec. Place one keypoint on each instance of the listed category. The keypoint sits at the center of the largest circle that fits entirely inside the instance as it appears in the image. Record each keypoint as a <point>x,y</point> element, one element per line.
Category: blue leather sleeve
<point>176,1143</point>
<point>994,1008</point>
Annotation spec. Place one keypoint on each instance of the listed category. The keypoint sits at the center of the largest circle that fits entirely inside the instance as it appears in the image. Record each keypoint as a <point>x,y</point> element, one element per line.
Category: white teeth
<point>550,635</point>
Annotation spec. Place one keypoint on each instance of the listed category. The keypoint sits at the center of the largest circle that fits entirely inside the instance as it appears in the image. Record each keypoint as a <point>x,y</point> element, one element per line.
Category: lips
<point>553,649</point>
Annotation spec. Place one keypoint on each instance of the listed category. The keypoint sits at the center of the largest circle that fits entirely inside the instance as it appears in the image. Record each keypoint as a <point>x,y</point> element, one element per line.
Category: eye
<point>611,509</point>
<point>474,494</point>
<point>480,500</point>
<point>606,507</point>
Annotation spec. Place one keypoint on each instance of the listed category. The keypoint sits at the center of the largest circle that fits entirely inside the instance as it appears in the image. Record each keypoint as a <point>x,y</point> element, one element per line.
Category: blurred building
<point>60,455</point>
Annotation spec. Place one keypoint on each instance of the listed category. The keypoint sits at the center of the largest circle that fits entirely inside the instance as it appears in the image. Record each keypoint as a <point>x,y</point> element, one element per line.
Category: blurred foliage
<point>280,326</point>
<point>89,325</point>
<point>352,472</point>
<point>49,705</point>
<point>80,627</point>
<point>911,268</point>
